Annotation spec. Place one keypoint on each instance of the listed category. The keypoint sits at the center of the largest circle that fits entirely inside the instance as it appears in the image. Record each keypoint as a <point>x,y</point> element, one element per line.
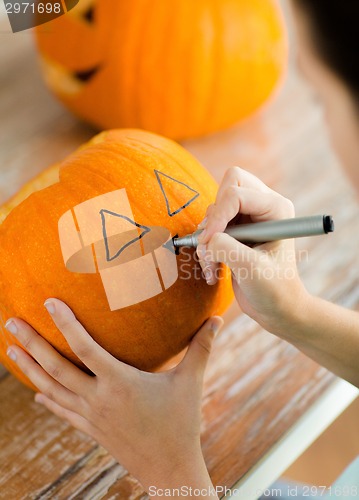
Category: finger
<point>200,347</point>
<point>238,177</point>
<point>235,176</point>
<point>97,359</point>
<point>202,224</point>
<point>209,267</point>
<point>42,380</point>
<point>266,206</point>
<point>222,248</point>
<point>72,417</point>
<point>209,210</point>
<point>225,249</point>
<point>58,367</point>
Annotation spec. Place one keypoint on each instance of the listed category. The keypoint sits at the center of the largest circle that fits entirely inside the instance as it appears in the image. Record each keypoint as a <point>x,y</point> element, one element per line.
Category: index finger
<point>236,176</point>
<point>259,206</point>
<point>54,364</point>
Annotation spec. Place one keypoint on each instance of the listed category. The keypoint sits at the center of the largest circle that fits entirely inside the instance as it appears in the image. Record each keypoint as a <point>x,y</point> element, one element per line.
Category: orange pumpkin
<point>165,186</point>
<point>181,69</point>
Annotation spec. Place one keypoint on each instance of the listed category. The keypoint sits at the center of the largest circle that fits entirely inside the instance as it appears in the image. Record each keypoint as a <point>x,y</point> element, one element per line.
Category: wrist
<point>182,470</point>
<point>292,316</point>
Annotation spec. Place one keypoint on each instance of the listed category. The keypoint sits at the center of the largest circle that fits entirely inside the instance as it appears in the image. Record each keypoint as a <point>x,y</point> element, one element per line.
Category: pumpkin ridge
<point>188,171</point>
<point>138,164</point>
<point>141,92</point>
<point>129,158</point>
<point>169,36</point>
<point>210,113</point>
<point>200,116</point>
<point>134,98</point>
<point>94,172</point>
<point>13,201</point>
<point>23,257</point>
<point>165,153</point>
<point>150,148</point>
<point>158,150</point>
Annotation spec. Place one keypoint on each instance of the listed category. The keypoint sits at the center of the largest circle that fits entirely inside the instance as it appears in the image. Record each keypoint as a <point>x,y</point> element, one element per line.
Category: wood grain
<point>257,386</point>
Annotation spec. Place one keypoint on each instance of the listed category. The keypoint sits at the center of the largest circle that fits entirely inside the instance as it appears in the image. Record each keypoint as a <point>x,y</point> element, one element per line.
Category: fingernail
<point>39,399</point>
<point>208,275</point>
<point>202,224</point>
<point>50,306</point>
<point>11,354</point>
<point>11,326</point>
<point>215,327</point>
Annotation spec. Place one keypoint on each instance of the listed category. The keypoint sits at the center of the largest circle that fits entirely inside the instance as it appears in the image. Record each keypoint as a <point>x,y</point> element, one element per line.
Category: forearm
<point>327,333</point>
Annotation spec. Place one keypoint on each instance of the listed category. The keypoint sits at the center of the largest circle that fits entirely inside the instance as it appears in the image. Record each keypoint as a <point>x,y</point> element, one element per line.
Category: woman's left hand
<point>150,422</point>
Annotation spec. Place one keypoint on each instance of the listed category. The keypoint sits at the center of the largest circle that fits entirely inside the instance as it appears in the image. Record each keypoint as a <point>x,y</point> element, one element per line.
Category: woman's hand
<point>265,278</point>
<point>266,281</point>
<point>150,422</point>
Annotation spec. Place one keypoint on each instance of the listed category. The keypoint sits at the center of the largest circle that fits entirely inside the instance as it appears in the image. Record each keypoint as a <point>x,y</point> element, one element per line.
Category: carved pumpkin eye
<point>85,10</point>
<point>89,14</point>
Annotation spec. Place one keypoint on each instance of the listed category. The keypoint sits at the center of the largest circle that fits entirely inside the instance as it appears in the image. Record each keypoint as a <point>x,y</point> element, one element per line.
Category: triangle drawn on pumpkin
<point>107,218</point>
<point>182,190</point>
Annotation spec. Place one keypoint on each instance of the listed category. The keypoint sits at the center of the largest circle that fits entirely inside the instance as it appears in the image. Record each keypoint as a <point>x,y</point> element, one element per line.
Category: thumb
<point>200,347</point>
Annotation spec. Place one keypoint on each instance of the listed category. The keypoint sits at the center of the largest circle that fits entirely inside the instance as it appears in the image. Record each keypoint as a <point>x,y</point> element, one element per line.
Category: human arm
<point>266,281</point>
<point>325,332</point>
<point>150,422</point>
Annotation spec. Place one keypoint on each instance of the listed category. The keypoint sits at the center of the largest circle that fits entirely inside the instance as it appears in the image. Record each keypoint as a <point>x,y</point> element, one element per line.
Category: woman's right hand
<point>265,278</point>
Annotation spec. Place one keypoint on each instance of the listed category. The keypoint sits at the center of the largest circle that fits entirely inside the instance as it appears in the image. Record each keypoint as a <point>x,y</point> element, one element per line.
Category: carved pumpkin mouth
<point>87,75</point>
<point>64,82</point>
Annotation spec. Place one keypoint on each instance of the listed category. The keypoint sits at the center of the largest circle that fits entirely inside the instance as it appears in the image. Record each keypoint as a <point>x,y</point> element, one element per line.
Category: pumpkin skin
<point>181,69</point>
<point>148,333</point>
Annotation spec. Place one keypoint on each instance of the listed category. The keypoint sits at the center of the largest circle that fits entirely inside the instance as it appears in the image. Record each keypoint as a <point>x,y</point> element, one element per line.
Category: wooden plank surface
<point>256,385</point>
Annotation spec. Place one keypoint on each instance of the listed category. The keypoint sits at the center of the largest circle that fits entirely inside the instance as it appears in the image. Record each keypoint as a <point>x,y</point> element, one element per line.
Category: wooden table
<point>264,402</point>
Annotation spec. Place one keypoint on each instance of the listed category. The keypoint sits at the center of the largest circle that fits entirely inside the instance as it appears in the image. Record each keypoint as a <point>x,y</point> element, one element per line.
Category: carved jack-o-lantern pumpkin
<point>181,69</point>
<point>95,234</point>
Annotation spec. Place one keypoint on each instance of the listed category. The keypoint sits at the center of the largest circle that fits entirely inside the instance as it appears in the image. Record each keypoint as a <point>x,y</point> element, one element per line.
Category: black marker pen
<point>263,232</point>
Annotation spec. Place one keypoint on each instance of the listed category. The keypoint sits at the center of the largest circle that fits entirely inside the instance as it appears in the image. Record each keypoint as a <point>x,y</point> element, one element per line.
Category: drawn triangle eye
<point>108,220</point>
<point>177,194</point>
